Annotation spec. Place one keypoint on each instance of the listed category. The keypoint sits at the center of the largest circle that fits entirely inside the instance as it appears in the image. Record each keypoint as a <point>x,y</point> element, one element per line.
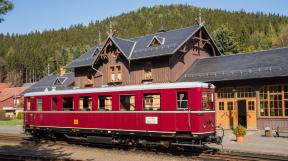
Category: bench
<point>281,130</point>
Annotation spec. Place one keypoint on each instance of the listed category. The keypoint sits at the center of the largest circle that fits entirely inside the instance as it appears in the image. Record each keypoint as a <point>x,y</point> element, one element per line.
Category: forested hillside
<point>25,58</point>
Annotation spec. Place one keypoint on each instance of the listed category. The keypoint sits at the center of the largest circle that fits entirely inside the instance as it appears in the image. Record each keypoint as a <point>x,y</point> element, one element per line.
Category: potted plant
<point>239,132</point>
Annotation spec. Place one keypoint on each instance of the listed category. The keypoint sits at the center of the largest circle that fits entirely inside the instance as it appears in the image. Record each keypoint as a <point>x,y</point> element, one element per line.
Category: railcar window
<point>28,104</point>
<point>68,104</point>
<point>54,104</point>
<point>152,102</point>
<point>207,101</point>
<point>105,103</point>
<point>182,101</point>
<point>85,103</point>
<point>127,102</point>
<point>39,104</point>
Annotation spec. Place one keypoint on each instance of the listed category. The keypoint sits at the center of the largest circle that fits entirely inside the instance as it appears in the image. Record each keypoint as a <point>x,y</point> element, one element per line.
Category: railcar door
<point>183,114</point>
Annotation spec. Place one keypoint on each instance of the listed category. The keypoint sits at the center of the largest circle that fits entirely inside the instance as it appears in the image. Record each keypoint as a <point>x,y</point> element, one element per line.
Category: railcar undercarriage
<point>133,138</point>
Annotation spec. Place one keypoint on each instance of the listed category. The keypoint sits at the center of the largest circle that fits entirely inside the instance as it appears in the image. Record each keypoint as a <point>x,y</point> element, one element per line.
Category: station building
<point>252,88</point>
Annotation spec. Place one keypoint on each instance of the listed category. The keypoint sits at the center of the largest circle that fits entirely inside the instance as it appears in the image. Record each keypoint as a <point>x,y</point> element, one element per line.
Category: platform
<point>256,142</point>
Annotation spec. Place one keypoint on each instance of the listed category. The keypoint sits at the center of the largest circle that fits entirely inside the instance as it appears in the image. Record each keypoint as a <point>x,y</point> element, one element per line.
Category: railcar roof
<point>125,88</point>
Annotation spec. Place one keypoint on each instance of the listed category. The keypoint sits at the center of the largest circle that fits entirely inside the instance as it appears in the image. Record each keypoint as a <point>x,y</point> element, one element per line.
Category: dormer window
<point>60,80</point>
<point>156,41</point>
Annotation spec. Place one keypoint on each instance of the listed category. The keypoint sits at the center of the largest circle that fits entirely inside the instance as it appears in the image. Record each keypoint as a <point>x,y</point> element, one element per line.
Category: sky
<point>32,15</point>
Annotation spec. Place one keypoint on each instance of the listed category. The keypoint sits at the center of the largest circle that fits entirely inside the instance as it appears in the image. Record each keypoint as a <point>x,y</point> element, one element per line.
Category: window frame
<point>28,103</point>
<point>269,96</point>
<point>221,109</point>
<point>121,109</point>
<point>90,102</point>
<point>177,100</point>
<point>209,101</point>
<point>73,104</point>
<point>98,106</point>
<point>160,101</point>
<point>147,71</point>
<point>117,70</point>
<point>37,104</point>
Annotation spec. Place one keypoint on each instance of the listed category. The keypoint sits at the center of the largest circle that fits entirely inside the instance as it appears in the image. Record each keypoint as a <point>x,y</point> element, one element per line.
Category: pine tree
<point>224,38</point>
<point>5,6</point>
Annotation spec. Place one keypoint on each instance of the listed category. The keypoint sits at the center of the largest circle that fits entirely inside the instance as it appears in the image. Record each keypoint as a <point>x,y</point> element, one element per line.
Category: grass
<point>11,122</point>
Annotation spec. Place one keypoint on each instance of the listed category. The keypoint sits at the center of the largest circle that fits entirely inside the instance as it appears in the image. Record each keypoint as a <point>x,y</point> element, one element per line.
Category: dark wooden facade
<point>167,68</point>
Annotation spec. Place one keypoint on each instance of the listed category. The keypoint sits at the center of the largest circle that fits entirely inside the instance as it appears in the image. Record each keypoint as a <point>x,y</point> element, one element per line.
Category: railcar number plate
<point>151,120</point>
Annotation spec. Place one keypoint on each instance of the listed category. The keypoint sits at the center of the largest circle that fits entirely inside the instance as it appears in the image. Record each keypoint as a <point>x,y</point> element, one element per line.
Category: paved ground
<point>255,142</point>
<point>11,129</point>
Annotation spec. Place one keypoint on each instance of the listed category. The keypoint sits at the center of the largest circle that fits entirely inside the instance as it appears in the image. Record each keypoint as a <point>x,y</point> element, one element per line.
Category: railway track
<point>196,152</point>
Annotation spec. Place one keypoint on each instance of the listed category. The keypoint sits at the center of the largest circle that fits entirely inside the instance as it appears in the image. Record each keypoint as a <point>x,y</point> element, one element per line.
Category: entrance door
<point>242,113</point>
<point>251,114</point>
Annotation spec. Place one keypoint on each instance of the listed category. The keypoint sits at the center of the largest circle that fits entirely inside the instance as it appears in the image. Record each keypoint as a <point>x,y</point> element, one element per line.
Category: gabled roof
<point>86,59</point>
<point>262,64</point>
<point>11,92</point>
<point>138,47</point>
<point>174,39</point>
<point>48,82</point>
<point>124,45</point>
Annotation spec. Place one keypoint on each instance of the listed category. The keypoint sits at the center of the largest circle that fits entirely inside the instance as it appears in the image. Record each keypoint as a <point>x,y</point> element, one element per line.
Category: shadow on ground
<point>38,148</point>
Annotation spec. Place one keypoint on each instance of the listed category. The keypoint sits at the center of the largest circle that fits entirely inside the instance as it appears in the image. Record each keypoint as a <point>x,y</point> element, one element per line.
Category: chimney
<point>62,71</point>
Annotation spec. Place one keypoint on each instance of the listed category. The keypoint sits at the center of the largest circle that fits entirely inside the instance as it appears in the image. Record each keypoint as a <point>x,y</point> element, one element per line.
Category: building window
<point>28,103</point>
<point>272,99</point>
<point>230,106</point>
<point>240,92</point>
<point>276,105</point>
<point>225,92</point>
<point>68,104</point>
<point>245,92</point>
<point>115,73</point>
<point>152,102</point>
<point>148,71</point>
<point>251,105</point>
<point>182,101</point>
<point>39,104</point>
<point>127,103</point>
<point>85,103</point>
<point>89,81</point>
<point>221,106</point>
<point>105,103</point>
<point>54,104</point>
<point>207,101</point>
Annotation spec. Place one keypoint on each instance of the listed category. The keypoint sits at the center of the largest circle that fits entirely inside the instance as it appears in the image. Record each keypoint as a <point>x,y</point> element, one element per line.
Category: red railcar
<point>170,112</point>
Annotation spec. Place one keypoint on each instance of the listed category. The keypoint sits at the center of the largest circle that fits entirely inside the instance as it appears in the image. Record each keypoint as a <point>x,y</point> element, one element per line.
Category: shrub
<point>20,115</point>
<point>3,115</point>
<point>239,130</point>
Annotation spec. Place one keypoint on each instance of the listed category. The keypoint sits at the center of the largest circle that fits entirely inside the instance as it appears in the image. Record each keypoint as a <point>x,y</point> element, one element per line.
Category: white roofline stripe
<point>124,88</point>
